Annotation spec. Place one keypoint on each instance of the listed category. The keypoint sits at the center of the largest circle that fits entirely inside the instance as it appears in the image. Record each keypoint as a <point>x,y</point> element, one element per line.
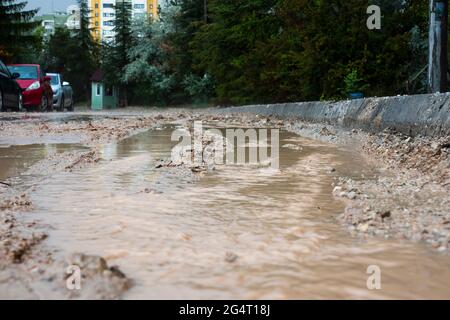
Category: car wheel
<point>44,104</point>
<point>70,107</point>
<point>20,103</point>
<point>2,107</point>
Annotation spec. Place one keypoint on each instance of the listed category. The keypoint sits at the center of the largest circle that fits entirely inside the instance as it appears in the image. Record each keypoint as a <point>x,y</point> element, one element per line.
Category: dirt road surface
<point>99,192</point>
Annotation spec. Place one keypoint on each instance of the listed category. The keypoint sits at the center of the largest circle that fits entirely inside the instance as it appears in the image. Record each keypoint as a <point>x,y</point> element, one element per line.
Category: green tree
<point>116,53</point>
<point>85,64</point>
<point>200,89</point>
<point>232,48</point>
<point>149,67</point>
<point>61,55</point>
<point>16,26</point>
<point>58,51</point>
<point>187,17</point>
<point>261,51</point>
<point>290,50</point>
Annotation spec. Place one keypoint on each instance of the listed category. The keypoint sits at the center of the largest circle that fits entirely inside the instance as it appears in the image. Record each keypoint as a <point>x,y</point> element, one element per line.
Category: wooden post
<point>438,42</point>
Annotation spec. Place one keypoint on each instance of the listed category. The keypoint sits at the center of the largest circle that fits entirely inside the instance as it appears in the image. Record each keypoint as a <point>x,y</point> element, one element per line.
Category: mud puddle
<point>16,159</point>
<point>239,232</point>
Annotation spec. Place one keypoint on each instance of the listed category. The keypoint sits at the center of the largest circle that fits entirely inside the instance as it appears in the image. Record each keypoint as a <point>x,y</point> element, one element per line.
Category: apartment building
<point>103,15</point>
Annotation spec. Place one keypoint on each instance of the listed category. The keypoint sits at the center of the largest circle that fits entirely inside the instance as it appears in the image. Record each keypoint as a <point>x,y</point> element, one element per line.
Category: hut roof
<point>97,76</point>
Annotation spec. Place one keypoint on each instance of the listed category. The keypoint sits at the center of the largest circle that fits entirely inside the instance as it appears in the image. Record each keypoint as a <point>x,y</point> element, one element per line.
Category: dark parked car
<point>10,91</point>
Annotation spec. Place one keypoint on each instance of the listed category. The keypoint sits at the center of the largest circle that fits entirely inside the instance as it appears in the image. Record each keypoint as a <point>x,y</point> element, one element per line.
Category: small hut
<point>103,96</point>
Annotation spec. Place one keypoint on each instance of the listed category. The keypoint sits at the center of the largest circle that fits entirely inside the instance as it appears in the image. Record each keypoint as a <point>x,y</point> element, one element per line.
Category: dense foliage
<point>87,51</point>
<point>16,31</point>
<point>243,51</point>
<point>149,64</point>
<point>248,51</point>
<point>287,50</point>
<point>115,54</point>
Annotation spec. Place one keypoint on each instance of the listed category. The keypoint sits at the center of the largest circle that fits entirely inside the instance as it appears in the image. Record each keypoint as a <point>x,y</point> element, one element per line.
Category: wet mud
<point>139,226</point>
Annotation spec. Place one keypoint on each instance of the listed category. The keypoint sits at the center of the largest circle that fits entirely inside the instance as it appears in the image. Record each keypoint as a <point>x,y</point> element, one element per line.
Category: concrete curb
<point>427,114</point>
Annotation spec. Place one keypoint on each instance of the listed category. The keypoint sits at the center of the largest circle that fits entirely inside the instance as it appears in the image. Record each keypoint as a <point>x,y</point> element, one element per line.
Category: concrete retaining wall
<point>427,114</point>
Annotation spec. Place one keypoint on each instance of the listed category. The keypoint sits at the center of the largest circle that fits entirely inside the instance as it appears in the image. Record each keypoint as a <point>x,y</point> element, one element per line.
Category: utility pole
<point>438,43</point>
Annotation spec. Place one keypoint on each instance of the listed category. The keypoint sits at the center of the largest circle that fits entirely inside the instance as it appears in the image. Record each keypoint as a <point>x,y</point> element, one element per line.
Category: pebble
<point>352,195</point>
<point>363,227</point>
<point>230,257</point>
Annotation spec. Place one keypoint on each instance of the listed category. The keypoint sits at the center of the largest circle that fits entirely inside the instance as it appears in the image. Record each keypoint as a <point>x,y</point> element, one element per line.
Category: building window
<point>108,23</point>
<point>108,5</point>
<point>139,6</point>
<point>96,6</point>
<point>99,89</point>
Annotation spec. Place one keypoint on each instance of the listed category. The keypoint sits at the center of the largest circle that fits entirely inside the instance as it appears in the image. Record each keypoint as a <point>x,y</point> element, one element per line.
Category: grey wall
<point>427,114</point>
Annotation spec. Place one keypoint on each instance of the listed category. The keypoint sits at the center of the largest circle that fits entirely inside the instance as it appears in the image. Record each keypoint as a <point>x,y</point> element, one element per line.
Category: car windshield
<point>26,72</point>
<point>54,79</point>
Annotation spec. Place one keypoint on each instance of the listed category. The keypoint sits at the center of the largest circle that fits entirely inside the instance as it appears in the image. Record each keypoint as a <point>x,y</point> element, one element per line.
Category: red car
<point>32,80</point>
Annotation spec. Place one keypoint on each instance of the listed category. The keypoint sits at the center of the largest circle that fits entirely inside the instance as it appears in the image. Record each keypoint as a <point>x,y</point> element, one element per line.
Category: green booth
<point>103,96</point>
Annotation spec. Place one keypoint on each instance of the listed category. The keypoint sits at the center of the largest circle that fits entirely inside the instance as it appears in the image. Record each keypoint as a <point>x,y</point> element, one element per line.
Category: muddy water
<point>16,159</point>
<point>237,232</point>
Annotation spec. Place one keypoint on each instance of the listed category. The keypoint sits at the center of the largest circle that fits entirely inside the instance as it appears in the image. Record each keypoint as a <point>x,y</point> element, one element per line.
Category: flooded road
<point>16,159</point>
<point>238,232</point>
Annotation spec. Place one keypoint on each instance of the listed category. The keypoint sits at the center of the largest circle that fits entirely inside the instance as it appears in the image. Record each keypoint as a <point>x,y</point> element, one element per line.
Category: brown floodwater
<point>238,232</point>
<point>16,159</point>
